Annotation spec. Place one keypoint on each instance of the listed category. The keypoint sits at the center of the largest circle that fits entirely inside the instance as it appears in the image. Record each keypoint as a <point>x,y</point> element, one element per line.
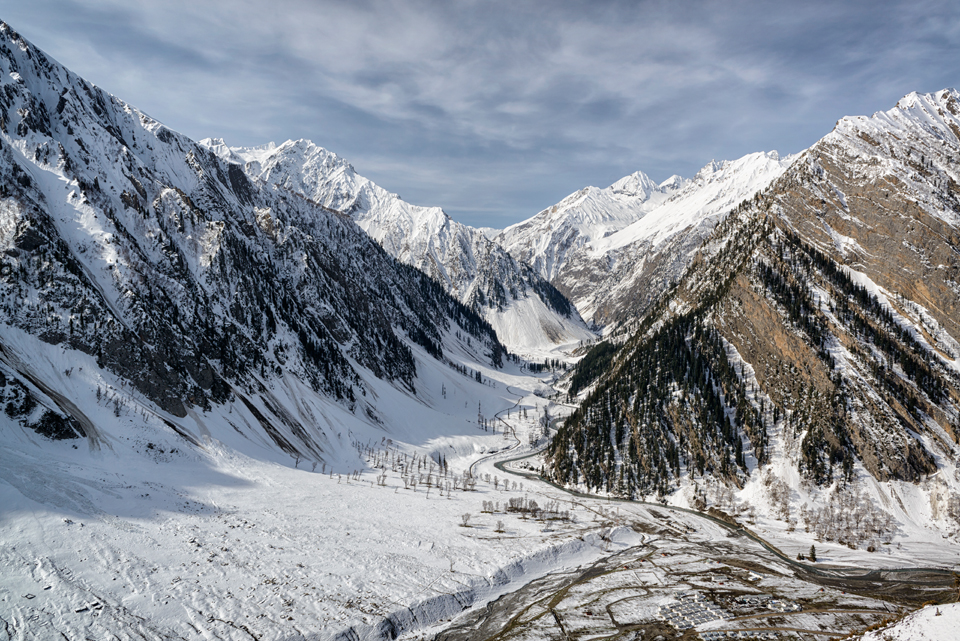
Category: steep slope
<point>527,312</point>
<point>931,623</point>
<point>881,194</point>
<point>813,337</point>
<point>614,251</point>
<point>187,282</point>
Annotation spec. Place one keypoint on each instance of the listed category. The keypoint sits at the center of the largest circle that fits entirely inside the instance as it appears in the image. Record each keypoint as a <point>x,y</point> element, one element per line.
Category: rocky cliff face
<point>527,312</point>
<point>814,331</point>
<point>124,240</point>
<point>881,195</point>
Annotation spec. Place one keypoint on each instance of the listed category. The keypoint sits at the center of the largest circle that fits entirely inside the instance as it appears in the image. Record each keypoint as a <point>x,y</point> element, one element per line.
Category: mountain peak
<point>672,183</point>
<point>916,98</point>
<point>912,116</point>
<point>709,169</point>
<point>637,184</point>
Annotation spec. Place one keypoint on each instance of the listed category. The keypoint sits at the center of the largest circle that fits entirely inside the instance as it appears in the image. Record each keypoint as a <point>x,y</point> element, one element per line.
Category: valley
<point>247,393</point>
<point>216,544</point>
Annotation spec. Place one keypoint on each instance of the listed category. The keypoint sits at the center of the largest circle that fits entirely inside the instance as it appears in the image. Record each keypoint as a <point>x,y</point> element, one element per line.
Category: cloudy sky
<point>495,110</point>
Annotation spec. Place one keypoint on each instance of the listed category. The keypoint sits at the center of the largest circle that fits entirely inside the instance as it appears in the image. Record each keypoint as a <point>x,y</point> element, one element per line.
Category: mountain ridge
<point>612,251</point>
<point>527,312</point>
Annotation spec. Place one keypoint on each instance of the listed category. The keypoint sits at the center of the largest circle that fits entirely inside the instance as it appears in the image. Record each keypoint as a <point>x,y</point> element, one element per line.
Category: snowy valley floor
<point>213,543</point>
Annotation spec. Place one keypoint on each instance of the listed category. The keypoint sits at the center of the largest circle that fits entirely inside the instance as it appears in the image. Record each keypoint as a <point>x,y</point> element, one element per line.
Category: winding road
<point>873,575</point>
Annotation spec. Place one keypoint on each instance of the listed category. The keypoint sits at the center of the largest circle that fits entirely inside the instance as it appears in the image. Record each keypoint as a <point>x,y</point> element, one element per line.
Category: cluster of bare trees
<point>414,470</point>
<point>444,482</point>
<point>466,516</point>
<point>727,501</point>
<point>849,518</point>
<point>528,507</point>
<point>504,485</point>
<point>420,470</point>
<point>542,431</point>
<point>109,398</point>
<point>725,498</point>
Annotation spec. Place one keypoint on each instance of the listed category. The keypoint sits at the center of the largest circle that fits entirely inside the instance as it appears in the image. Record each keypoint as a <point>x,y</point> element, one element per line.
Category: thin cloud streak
<point>494,110</point>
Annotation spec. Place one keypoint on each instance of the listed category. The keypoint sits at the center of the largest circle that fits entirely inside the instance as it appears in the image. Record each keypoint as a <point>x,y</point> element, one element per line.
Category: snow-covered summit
<point>637,184</point>
<point>908,141</point>
<point>599,246</point>
<point>672,183</point>
<point>915,115</point>
<point>915,110</point>
<point>714,190</point>
<point>547,240</point>
<point>304,168</point>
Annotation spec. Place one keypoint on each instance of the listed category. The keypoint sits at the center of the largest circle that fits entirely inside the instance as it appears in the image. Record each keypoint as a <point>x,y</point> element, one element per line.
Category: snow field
<point>932,623</point>
<point>235,535</point>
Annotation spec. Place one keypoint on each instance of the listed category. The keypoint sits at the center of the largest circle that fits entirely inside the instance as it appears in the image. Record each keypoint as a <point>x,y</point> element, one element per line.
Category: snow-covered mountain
<point>188,284</point>
<point>613,251</point>
<point>527,312</point>
<point>555,235</point>
<point>809,353</point>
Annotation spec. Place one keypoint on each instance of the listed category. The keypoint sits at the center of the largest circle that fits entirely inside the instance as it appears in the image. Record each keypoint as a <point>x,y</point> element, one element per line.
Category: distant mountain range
<point>614,251</point>
<point>527,312</point>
